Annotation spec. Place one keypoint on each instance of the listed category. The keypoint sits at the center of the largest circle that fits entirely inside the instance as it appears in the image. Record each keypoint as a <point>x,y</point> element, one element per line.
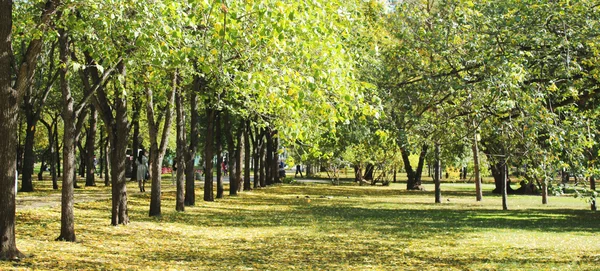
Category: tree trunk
<point>107,159</point>
<point>410,174</point>
<point>82,160</point>
<point>592,183</point>
<point>247,155</point>
<point>437,175</point>
<point>263,160</point>
<point>28,156</point>
<point>9,112</point>
<point>180,204</point>
<point>208,153</point>
<point>504,184</point>
<point>256,157</point>
<point>219,147</point>
<point>67,221</point>
<point>232,155</point>
<point>51,151</point>
<point>57,148</point>
<point>90,146</point>
<point>190,192</point>
<point>419,172</point>
<point>157,152</point>
<point>269,159</point>
<point>239,156</point>
<point>478,191</point>
<point>40,174</point>
<point>357,174</point>
<point>101,159</point>
<point>262,157</point>
<point>275,161</point>
<point>118,154</point>
<point>545,191</point>
<point>135,122</point>
<point>498,169</point>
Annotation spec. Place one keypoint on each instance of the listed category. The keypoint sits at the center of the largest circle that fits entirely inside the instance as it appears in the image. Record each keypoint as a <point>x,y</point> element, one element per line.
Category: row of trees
<point>352,82</point>
<point>237,75</point>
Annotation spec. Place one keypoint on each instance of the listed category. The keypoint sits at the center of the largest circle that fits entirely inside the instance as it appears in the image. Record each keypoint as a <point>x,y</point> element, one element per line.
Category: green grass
<point>278,228</point>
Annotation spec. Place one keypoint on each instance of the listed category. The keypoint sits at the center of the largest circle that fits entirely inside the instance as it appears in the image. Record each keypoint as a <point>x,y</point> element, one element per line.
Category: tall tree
<point>9,108</point>
<point>180,156</point>
<point>158,149</point>
<point>33,105</point>
<point>190,154</point>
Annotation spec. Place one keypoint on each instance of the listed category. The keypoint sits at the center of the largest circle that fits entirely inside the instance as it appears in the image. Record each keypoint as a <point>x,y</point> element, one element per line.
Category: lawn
<point>313,227</point>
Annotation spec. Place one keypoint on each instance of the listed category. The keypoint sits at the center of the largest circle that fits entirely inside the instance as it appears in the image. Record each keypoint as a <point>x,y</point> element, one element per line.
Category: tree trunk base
<point>11,255</point>
<point>417,187</point>
<point>65,239</point>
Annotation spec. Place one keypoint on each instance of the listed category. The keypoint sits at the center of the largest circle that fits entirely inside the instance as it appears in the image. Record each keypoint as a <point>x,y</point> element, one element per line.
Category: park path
<point>25,202</point>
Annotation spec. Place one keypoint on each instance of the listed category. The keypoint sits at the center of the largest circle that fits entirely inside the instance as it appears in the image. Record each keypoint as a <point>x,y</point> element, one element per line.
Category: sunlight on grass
<point>314,227</point>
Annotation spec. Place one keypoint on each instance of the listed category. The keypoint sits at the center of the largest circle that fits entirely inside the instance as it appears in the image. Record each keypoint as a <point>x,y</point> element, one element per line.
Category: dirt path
<point>25,202</point>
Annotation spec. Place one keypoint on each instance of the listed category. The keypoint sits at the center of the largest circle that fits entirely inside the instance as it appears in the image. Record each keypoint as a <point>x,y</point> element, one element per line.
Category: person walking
<point>298,170</point>
<point>142,170</point>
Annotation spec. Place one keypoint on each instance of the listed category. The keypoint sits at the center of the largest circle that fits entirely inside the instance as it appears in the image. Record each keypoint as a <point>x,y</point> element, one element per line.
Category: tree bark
<point>51,150</point>
<point>263,160</point>
<point>232,154</point>
<point>90,146</point>
<point>28,156</point>
<point>157,152</point>
<point>119,137</point>
<point>269,159</point>
<point>410,174</point>
<point>136,142</point>
<point>180,204</point>
<point>190,193</point>
<point>275,161</point>
<point>504,185</point>
<point>239,155</point>
<point>219,147</point>
<point>55,161</point>
<point>545,191</point>
<point>247,155</point>
<point>9,111</point>
<point>208,154</point>
<point>438,175</point>
<point>57,148</point>
<point>67,221</point>
<point>475,148</point>
<point>256,156</point>
<point>592,183</point>
<point>117,127</point>
<point>417,181</point>
<point>357,174</point>
<point>107,160</point>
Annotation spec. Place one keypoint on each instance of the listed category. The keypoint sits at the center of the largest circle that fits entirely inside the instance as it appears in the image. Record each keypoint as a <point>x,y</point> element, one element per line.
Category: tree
<point>179,158</point>
<point>13,96</point>
<point>157,150</point>
<point>33,104</point>
<point>9,107</point>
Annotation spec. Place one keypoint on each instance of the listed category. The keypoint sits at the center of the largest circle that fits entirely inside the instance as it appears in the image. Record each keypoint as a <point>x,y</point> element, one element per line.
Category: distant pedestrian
<point>298,170</point>
<point>142,170</point>
<point>173,170</point>
<point>224,167</point>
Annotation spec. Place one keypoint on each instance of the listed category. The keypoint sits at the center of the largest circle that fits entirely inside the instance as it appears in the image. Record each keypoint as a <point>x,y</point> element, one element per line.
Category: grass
<point>279,228</point>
